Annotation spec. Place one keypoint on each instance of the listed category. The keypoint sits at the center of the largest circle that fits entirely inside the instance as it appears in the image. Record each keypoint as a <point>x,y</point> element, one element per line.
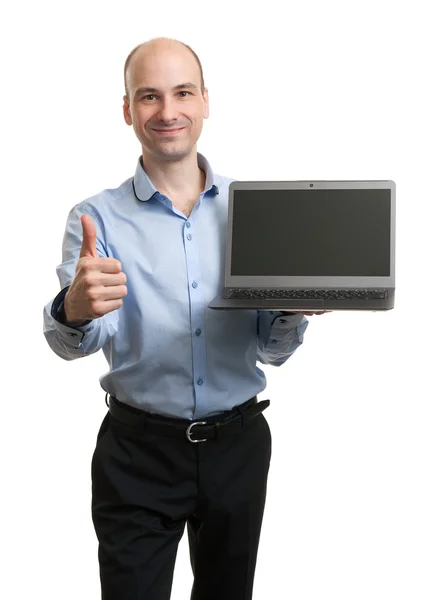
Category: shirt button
<point>189,236</point>
<point>198,331</point>
<point>200,381</point>
<point>188,224</point>
<point>194,284</point>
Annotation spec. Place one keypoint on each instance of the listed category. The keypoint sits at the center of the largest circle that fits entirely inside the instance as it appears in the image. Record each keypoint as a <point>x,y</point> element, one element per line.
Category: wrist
<point>67,321</point>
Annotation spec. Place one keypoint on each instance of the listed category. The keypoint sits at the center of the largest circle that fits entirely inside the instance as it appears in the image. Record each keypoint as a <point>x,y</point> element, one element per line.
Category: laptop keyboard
<point>299,294</point>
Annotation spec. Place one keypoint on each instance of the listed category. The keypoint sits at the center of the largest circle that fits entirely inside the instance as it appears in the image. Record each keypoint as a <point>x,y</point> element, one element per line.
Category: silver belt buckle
<point>188,432</point>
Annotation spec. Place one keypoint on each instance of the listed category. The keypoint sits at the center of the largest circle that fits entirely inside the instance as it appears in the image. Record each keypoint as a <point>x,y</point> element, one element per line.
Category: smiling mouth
<point>168,131</point>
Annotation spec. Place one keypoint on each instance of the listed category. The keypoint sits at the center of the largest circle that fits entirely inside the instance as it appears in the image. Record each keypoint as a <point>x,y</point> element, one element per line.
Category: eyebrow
<point>150,90</point>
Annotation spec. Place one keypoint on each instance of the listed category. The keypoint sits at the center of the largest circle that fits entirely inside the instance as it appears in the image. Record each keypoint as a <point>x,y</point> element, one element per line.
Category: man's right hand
<point>98,286</point>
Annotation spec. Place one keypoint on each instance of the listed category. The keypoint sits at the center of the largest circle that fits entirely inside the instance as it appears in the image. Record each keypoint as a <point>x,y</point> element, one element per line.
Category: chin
<point>161,154</point>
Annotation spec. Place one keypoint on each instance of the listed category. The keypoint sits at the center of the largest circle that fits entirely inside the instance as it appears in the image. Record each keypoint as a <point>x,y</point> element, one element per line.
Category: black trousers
<point>146,487</point>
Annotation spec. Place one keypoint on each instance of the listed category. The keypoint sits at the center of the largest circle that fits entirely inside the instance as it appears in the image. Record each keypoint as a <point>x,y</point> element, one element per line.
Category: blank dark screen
<point>311,232</point>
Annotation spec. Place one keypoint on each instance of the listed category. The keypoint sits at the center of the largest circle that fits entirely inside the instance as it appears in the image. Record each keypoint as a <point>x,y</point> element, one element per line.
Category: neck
<point>176,178</point>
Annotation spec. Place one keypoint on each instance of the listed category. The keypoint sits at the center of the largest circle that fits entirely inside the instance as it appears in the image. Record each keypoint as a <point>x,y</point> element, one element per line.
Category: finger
<point>105,265</point>
<point>88,248</point>
<point>111,279</point>
<point>113,292</point>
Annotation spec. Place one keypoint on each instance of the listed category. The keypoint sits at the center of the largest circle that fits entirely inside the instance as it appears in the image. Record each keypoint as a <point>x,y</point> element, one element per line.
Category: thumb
<point>89,237</point>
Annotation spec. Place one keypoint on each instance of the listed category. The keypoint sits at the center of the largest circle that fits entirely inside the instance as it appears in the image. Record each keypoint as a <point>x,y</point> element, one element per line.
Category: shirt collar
<point>145,190</point>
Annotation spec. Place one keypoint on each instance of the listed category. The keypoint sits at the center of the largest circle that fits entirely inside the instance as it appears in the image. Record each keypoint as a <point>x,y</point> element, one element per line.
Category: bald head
<point>156,46</point>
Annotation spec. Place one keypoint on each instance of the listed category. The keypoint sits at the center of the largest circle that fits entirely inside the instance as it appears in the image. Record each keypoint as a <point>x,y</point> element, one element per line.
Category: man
<point>140,265</point>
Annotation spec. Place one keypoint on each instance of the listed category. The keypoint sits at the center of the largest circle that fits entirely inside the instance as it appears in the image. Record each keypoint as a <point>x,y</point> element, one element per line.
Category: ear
<point>126,111</point>
<point>206,101</point>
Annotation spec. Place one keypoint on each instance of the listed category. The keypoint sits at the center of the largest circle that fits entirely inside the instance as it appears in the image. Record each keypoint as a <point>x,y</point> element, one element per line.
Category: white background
<point>326,90</point>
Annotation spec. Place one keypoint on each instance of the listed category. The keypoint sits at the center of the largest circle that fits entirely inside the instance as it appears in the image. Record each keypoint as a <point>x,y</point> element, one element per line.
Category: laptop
<point>310,245</point>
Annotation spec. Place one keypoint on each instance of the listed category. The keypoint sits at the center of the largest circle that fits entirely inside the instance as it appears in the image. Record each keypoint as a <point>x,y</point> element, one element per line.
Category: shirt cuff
<point>291,319</point>
<point>57,311</point>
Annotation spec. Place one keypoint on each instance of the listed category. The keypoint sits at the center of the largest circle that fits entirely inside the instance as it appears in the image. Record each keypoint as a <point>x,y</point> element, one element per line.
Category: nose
<point>167,111</point>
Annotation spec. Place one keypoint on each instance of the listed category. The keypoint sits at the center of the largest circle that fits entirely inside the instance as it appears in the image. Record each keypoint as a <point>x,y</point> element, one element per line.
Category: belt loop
<point>242,415</point>
<point>141,422</point>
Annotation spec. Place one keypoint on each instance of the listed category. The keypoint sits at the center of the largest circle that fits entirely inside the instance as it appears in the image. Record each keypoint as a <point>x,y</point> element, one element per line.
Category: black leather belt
<point>209,428</point>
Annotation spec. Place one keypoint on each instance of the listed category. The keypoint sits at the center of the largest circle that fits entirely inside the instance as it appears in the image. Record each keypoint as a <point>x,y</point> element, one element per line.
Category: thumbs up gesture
<point>99,283</point>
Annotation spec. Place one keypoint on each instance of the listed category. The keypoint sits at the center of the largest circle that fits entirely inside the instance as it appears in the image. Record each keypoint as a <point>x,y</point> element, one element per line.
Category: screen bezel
<point>237,281</point>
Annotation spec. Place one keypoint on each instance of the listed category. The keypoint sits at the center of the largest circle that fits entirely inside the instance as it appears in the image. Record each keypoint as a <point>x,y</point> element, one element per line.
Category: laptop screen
<point>316,232</point>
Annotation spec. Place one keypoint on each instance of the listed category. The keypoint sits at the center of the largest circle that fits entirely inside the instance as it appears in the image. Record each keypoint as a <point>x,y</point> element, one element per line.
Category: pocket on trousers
<point>104,427</point>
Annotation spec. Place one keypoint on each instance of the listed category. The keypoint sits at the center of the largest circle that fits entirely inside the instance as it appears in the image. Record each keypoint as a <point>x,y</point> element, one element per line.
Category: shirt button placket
<point>196,317</point>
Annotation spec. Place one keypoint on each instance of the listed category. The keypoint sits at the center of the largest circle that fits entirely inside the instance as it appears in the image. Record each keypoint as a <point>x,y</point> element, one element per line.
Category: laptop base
<point>220,303</point>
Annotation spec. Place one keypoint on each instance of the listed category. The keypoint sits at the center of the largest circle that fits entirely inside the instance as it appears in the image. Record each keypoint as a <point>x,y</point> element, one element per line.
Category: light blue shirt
<point>167,351</point>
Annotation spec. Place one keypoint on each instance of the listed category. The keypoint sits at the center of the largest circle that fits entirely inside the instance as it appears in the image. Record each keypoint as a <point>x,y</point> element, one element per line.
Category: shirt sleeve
<point>279,336</point>
<point>68,342</point>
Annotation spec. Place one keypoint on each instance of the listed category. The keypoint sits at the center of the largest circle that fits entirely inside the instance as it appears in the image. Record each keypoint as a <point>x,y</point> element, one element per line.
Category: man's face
<point>167,121</point>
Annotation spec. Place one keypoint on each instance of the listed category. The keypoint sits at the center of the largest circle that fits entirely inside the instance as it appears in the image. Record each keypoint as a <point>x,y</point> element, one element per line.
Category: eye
<point>153,96</point>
